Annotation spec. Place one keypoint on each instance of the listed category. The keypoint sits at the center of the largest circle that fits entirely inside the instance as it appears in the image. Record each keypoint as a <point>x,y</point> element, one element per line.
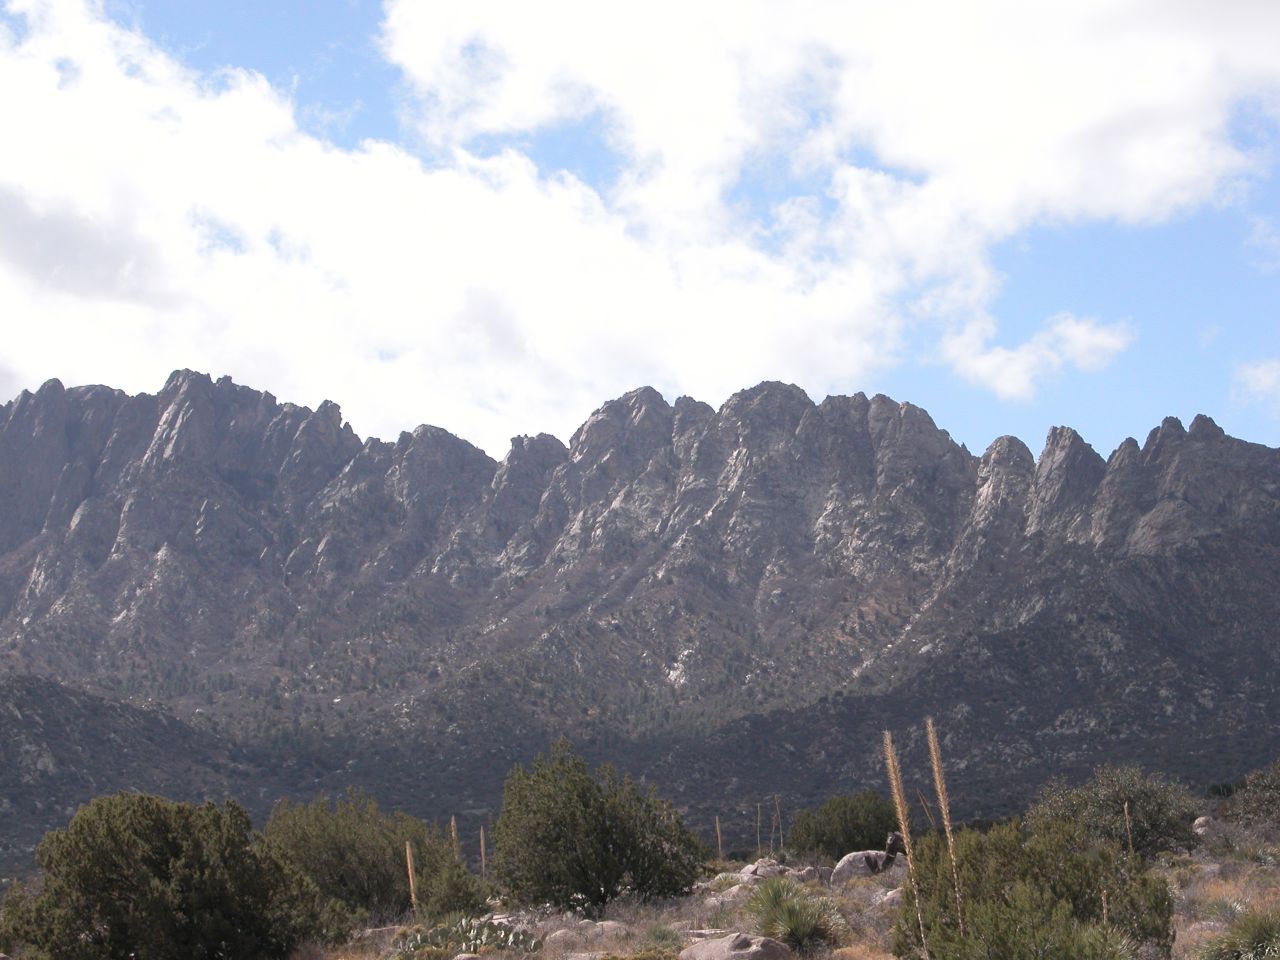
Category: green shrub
<point>455,890</point>
<point>1257,801</point>
<point>1252,936</point>
<point>843,824</point>
<point>1161,811</point>
<point>1035,893</point>
<point>354,852</point>
<point>141,877</point>
<point>784,910</point>
<point>573,839</point>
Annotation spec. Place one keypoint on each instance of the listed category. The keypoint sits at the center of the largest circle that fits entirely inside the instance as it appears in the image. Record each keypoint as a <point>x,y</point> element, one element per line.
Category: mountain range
<point>209,592</point>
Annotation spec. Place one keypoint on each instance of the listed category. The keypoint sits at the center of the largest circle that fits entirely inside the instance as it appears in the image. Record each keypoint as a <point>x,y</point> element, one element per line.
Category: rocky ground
<point>1235,870</point>
<point>709,924</point>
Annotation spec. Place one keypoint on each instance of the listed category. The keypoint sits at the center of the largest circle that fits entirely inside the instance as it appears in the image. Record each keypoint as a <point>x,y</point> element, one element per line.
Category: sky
<point>495,216</point>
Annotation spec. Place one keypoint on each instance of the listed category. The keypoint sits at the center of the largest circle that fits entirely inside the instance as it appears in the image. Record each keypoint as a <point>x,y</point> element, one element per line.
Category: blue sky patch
<point>325,55</point>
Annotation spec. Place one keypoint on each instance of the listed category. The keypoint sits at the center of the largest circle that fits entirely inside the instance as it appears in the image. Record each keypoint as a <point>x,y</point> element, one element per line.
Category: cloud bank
<point>807,192</point>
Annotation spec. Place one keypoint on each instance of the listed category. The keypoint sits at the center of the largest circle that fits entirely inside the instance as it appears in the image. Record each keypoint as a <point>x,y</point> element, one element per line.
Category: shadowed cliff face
<point>673,586</point>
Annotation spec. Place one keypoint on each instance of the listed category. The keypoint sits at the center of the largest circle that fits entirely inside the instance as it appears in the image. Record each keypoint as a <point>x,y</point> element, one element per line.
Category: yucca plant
<point>785,911</point>
<point>1252,936</point>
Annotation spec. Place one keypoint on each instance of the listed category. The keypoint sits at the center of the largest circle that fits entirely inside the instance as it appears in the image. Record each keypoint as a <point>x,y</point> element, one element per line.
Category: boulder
<point>561,938</point>
<point>737,946</point>
<point>891,898</point>
<point>729,898</point>
<point>1202,826</point>
<point>851,865</point>
<point>764,868</point>
<point>855,865</point>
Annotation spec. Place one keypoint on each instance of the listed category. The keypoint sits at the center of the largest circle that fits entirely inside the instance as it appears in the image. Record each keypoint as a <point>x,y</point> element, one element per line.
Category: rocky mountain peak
<point>1067,478</point>
<point>407,614</point>
<point>634,424</point>
<point>1204,428</point>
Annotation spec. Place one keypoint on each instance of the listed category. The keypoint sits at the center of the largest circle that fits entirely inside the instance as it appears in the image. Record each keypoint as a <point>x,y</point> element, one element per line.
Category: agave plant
<point>1252,936</point>
<point>785,911</point>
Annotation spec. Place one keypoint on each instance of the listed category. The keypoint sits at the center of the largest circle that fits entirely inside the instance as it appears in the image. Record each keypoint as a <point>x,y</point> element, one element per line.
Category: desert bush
<point>842,824</point>
<point>1257,801</point>
<point>1035,893</point>
<point>1161,811</point>
<point>782,909</point>
<point>455,890</point>
<point>570,838</point>
<point>1253,935</point>
<point>354,852</point>
<point>145,878</point>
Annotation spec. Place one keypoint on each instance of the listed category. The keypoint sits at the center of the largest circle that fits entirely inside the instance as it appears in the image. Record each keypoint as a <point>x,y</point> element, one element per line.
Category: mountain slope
<point>732,602</point>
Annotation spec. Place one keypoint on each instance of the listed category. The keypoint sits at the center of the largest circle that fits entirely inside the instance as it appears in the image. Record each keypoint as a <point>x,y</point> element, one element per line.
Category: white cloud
<point>1259,382</point>
<point>181,219</point>
<point>1012,373</point>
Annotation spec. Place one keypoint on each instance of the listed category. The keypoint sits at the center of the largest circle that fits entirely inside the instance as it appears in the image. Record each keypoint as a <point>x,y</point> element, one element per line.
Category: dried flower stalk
<point>944,804</point>
<point>904,827</point>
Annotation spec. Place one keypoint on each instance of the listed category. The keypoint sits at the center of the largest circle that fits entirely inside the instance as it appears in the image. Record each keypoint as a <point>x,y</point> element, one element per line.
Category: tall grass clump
<point>783,910</point>
<point>1253,936</point>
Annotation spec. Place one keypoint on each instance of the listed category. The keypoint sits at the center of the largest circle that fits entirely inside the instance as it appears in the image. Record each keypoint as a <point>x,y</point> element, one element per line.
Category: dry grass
<point>862,951</point>
<point>1235,871</point>
<point>370,945</point>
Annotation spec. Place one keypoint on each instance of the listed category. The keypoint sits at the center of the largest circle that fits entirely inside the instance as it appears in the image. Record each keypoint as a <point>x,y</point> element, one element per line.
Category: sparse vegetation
<point>143,878</point>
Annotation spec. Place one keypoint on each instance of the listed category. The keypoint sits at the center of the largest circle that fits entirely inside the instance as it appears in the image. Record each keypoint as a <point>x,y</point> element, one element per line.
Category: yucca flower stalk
<point>904,827</point>
<point>944,804</point>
